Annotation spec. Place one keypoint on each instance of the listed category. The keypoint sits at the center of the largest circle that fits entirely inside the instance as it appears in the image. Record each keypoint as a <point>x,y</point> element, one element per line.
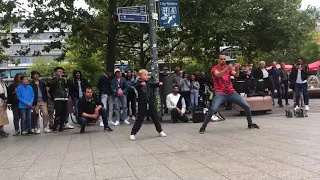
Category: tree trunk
<point>112,32</point>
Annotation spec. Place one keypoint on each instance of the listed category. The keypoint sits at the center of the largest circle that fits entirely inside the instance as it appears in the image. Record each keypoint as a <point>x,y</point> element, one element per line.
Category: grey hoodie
<point>194,86</point>
<point>185,85</point>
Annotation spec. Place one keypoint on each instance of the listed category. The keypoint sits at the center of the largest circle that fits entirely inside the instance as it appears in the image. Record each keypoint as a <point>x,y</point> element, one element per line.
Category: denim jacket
<point>123,85</point>
<point>131,83</point>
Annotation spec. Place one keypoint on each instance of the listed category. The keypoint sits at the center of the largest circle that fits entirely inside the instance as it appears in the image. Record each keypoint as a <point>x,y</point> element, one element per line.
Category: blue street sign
<point>132,10</point>
<point>169,13</point>
<point>134,18</point>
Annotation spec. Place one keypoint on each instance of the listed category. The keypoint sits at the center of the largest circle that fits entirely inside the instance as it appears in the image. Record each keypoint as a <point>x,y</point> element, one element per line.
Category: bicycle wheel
<point>73,118</point>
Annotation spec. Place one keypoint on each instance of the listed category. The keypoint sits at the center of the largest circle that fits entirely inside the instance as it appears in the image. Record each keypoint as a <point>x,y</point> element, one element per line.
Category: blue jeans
<point>194,99</point>
<point>25,115</point>
<point>220,99</point>
<point>103,113</point>
<point>123,101</point>
<point>304,89</point>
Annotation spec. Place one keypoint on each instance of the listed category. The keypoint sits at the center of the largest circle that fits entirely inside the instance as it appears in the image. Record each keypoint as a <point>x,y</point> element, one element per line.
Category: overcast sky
<point>81,3</point>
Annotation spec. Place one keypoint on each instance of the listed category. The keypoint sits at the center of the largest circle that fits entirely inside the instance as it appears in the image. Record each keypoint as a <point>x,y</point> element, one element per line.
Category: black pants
<point>186,96</point>
<point>176,116</point>
<point>103,113</point>
<point>131,97</point>
<point>142,112</point>
<point>16,116</point>
<point>61,108</point>
<point>285,89</point>
<point>278,88</point>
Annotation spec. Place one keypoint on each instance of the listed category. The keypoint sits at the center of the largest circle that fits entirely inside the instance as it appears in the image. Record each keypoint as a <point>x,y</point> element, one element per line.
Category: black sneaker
<point>253,126</point>
<point>202,130</point>
<point>82,131</point>
<point>54,130</point>
<point>108,128</point>
<point>62,130</point>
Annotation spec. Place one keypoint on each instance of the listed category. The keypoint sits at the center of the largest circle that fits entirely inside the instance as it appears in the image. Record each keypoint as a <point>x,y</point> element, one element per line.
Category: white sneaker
<point>133,118</point>
<point>162,134</point>
<point>307,108</point>
<point>132,138</point>
<point>116,123</point>
<point>110,123</point>
<point>126,122</point>
<point>46,130</point>
<point>68,126</point>
<point>101,124</point>
<point>38,130</point>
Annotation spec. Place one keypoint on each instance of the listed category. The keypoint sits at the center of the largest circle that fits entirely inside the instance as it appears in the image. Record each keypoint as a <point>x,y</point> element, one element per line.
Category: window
<point>4,74</point>
<point>13,72</point>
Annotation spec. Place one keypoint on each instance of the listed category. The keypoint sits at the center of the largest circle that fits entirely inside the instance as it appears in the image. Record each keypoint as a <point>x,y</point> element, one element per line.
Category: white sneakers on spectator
<point>101,124</point>
<point>68,126</point>
<point>38,131</point>
<point>307,107</point>
<point>162,134</point>
<point>46,130</point>
<point>132,138</point>
<point>133,118</point>
<point>116,123</point>
<point>126,121</point>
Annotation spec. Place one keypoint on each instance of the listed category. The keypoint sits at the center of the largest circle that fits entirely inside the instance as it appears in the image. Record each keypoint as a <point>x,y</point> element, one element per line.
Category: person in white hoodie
<point>177,106</point>
<point>185,90</point>
<point>194,95</point>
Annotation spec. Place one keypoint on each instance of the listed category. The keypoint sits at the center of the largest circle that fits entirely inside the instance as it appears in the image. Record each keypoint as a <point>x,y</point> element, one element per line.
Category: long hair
<point>16,80</point>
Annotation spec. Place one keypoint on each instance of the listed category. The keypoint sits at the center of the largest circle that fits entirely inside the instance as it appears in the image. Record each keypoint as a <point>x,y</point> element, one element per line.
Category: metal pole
<point>154,50</point>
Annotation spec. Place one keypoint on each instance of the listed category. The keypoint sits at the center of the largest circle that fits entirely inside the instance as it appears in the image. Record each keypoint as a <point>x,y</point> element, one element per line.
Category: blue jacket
<point>25,95</point>
<point>275,74</point>
<point>123,85</point>
<point>131,83</point>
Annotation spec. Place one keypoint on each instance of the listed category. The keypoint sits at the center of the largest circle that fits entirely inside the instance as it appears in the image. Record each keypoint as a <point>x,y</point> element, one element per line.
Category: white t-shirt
<point>80,89</point>
<point>299,78</point>
<point>172,101</point>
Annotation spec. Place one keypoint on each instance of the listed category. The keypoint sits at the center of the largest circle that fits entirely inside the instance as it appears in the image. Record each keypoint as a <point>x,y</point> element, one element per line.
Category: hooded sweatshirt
<point>77,86</point>
<point>25,95</point>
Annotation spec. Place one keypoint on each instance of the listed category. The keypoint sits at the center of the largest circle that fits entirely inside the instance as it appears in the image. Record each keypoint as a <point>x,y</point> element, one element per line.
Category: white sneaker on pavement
<point>110,123</point>
<point>132,138</point>
<point>101,124</point>
<point>46,130</point>
<point>133,118</point>
<point>162,134</point>
<point>116,123</point>
<point>38,130</point>
<point>307,107</point>
<point>68,126</point>
<point>126,121</point>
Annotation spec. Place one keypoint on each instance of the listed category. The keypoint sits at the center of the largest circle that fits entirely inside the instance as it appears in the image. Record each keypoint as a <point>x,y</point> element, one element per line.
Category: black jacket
<point>74,86</point>
<point>88,107</point>
<point>12,96</point>
<point>104,85</point>
<point>146,93</point>
<point>42,86</point>
<point>58,88</point>
<point>304,73</point>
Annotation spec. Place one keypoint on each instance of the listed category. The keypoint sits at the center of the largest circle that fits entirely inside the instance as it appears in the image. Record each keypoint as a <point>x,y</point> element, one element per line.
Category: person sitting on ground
<point>89,109</point>
<point>177,106</point>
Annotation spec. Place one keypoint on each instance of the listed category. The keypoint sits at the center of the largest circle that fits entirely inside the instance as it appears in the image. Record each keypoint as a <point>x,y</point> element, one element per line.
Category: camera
<point>3,96</point>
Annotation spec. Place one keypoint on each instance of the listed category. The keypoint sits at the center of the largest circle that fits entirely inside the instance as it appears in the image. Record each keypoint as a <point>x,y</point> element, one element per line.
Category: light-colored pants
<point>108,102</point>
<point>43,107</point>
<point>194,99</point>
<point>123,101</point>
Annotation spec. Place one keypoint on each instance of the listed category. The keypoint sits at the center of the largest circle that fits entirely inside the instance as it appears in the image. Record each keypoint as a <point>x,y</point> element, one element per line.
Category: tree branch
<point>127,46</point>
<point>171,49</point>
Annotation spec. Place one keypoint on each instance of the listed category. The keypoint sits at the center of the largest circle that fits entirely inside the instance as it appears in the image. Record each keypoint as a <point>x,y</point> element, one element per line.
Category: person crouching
<point>89,109</point>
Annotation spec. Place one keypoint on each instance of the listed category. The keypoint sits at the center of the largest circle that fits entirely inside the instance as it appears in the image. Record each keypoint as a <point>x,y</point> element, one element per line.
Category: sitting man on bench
<point>89,109</point>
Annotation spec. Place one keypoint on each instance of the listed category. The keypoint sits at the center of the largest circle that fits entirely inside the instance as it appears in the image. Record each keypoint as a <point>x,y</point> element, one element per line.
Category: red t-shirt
<point>222,85</point>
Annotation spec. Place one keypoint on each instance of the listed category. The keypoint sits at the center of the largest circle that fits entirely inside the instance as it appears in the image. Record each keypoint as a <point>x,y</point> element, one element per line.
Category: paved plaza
<point>283,148</point>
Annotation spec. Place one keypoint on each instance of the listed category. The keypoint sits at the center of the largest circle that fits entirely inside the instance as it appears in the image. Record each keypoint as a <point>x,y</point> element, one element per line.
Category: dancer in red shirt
<point>224,91</point>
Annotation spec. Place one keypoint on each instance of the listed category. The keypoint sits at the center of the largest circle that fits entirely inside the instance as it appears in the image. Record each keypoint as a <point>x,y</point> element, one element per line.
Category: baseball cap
<point>117,70</point>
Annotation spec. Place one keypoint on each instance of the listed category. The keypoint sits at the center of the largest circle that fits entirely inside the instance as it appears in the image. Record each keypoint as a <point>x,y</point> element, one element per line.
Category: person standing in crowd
<point>276,77</point>
<point>194,94</point>
<point>224,91</point>
<point>167,81</point>
<point>146,96</point>
<point>284,83</point>
<point>299,76</point>
<point>104,87</point>
<point>50,104</point>
<point>12,99</point>
<point>177,77</point>
<point>25,96</point>
<point>185,90</point>
<point>58,86</point>
<point>77,86</point>
<point>203,81</point>
<point>177,106</point>
<point>90,108</point>
<point>3,107</point>
<point>40,102</point>
<point>119,89</point>
<point>131,97</point>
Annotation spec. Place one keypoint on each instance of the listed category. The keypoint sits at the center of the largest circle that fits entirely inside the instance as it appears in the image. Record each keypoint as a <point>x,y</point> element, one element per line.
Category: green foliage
<point>193,66</point>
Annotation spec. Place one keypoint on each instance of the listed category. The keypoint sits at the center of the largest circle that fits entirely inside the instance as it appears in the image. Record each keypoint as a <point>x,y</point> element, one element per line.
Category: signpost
<point>133,14</point>
<point>169,13</point>
<point>133,18</point>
